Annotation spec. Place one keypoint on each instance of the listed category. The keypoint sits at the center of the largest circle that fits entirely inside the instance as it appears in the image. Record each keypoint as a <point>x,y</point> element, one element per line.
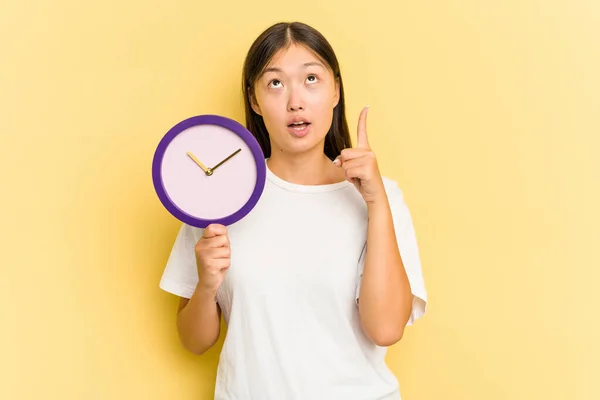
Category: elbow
<point>197,345</point>
<point>386,338</point>
<point>197,349</point>
<point>381,330</point>
<point>383,334</point>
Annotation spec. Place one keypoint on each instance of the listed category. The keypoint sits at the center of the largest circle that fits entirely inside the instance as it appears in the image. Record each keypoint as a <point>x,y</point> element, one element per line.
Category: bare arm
<point>198,322</point>
<point>198,319</point>
<point>385,295</point>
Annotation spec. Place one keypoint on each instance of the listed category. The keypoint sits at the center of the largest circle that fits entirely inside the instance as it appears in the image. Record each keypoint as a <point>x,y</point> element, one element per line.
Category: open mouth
<point>299,125</point>
<point>299,129</point>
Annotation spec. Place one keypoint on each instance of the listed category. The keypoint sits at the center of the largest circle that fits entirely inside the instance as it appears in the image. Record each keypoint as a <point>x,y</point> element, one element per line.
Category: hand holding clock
<point>213,251</point>
<point>211,204</point>
<point>213,257</point>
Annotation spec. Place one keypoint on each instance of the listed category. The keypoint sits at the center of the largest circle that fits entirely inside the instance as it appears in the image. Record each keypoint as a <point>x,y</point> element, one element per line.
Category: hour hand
<point>207,171</point>
<point>222,162</point>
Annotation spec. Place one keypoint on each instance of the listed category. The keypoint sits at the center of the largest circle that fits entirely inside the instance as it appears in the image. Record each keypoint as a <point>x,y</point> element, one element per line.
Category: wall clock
<point>209,169</point>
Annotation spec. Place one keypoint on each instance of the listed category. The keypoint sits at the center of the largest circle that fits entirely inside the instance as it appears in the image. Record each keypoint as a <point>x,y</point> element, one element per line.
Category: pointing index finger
<point>363,140</point>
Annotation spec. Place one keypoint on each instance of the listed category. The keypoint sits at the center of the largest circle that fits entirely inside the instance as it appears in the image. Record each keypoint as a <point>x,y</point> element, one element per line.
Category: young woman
<point>324,273</point>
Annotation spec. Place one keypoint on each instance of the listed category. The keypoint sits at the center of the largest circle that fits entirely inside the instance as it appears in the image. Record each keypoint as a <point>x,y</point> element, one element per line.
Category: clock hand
<point>222,162</point>
<point>207,171</point>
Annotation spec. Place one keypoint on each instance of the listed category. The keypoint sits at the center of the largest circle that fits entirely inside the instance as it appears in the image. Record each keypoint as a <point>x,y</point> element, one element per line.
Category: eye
<point>275,83</point>
<point>312,79</point>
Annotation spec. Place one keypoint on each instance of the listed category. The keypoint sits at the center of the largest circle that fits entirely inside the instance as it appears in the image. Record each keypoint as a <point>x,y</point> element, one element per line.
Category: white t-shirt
<point>289,297</point>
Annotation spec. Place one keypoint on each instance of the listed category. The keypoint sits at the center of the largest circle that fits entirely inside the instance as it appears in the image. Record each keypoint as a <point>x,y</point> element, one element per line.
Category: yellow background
<point>486,112</point>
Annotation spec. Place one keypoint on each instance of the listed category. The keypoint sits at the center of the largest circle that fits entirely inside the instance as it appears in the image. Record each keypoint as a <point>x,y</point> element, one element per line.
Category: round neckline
<point>296,187</point>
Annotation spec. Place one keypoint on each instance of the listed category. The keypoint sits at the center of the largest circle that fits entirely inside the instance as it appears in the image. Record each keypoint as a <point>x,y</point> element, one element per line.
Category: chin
<point>305,147</point>
<point>297,145</point>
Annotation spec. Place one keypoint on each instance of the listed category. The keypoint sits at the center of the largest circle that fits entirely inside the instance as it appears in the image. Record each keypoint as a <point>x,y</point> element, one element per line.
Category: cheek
<point>272,114</point>
<point>324,99</point>
<point>268,108</point>
<point>325,106</point>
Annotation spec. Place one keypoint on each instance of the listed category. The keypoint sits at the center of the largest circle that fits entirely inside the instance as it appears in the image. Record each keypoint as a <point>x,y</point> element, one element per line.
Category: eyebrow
<point>305,65</point>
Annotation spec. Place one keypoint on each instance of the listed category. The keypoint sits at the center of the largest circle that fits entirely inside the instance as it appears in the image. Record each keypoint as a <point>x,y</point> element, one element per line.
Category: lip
<point>297,119</point>
<point>299,133</point>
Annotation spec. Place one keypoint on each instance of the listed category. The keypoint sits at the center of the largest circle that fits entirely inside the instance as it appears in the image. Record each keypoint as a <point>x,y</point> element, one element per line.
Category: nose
<point>295,102</point>
<point>295,107</point>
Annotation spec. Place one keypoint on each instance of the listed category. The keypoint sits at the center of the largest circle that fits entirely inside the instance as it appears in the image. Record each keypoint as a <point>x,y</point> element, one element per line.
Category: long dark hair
<point>280,36</point>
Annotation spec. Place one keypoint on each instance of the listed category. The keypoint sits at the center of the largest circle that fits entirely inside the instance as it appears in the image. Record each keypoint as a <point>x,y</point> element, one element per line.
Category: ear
<point>253,102</point>
<point>336,96</point>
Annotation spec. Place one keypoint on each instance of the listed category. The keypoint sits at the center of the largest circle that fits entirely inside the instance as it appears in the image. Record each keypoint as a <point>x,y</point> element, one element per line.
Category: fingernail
<point>337,160</point>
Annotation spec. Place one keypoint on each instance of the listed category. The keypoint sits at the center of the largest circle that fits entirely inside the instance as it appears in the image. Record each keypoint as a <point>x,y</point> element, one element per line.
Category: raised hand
<point>360,164</point>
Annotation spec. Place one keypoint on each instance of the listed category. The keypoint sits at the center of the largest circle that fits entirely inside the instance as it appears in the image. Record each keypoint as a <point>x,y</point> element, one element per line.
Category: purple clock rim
<point>232,125</point>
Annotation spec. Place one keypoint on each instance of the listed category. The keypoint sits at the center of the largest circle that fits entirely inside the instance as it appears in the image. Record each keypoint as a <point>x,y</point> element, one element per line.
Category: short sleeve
<point>180,276</point>
<point>409,250</point>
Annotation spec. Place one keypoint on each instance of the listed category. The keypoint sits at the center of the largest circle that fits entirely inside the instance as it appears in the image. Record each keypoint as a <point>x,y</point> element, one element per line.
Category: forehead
<point>293,57</point>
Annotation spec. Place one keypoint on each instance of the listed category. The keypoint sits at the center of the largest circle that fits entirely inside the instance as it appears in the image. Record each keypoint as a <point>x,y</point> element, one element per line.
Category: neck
<point>311,168</point>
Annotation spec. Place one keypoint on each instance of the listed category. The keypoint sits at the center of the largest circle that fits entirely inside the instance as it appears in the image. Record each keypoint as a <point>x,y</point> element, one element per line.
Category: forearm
<point>385,298</point>
<point>198,323</point>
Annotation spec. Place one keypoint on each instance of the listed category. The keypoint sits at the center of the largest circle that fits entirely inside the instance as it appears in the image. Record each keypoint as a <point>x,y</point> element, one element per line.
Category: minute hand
<point>222,162</point>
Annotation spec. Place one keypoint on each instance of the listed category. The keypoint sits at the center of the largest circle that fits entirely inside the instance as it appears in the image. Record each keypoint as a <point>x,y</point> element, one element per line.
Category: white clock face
<point>190,188</point>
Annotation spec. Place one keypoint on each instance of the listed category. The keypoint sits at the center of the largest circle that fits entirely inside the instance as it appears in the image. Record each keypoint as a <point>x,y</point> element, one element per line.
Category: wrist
<point>378,204</point>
